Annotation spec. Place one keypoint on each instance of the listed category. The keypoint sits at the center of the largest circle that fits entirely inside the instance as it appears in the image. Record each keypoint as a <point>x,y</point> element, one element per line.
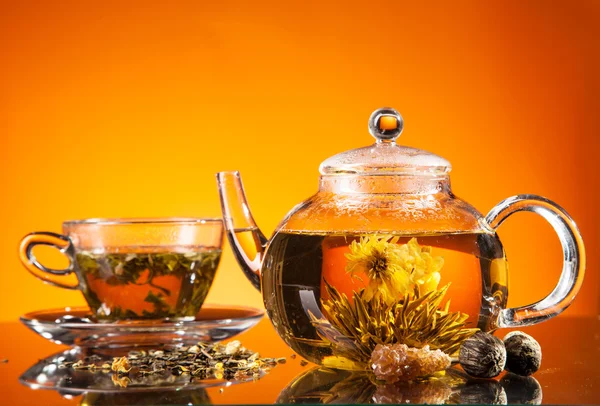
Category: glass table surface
<point>569,375</point>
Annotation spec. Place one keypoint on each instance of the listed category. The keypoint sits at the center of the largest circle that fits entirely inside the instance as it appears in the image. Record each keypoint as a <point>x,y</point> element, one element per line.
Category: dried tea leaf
<point>232,347</point>
<point>200,361</point>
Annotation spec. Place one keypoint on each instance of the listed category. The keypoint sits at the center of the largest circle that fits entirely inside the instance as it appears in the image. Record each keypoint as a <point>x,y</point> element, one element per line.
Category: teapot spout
<point>246,240</point>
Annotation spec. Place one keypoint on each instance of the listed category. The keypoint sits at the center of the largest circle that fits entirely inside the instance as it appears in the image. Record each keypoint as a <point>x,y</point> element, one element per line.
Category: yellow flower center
<point>393,269</point>
<point>378,264</point>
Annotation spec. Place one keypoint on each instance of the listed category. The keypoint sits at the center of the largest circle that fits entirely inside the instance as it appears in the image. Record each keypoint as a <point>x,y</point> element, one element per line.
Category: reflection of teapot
<point>329,386</point>
<point>385,229</point>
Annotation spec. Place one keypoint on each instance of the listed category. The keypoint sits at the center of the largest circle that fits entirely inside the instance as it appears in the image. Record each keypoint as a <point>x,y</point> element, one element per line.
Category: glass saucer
<point>75,327</point>
<point>47,374</point>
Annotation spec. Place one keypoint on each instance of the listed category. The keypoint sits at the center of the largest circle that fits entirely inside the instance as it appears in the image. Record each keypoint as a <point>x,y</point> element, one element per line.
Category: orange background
<point>119,110</point>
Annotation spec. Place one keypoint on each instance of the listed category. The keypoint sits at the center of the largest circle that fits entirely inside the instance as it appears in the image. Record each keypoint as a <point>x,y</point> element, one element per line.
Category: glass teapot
<point>384,252</point>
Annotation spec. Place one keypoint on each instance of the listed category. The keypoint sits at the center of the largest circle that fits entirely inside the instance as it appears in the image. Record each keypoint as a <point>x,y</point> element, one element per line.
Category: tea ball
<point>482,355</point>
<point>523,353</point>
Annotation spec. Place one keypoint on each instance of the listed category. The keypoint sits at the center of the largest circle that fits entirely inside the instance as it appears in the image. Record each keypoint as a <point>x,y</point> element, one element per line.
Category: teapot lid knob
<point>385,157</point>
<point>385,124</point>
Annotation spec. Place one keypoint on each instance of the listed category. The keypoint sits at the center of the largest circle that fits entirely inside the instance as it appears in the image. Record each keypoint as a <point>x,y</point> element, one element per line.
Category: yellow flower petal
<point>431,284</point>
<point>393,269</point>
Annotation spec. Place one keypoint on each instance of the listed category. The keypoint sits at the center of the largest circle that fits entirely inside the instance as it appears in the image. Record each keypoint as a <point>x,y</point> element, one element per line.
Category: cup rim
<point>144,220</point>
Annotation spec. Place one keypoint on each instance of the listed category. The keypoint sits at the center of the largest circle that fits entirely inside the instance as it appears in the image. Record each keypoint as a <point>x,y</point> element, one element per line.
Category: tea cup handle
<point>48,275</point>
<point>573,270</point>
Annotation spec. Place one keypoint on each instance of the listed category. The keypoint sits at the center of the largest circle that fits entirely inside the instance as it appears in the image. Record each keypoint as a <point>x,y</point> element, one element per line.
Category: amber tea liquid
<point>147,282</point>
<point>297,264</point>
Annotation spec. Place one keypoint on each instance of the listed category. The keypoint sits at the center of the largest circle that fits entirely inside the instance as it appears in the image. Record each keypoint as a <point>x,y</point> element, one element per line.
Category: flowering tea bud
<point>523,353</point>
<point>482,355</point>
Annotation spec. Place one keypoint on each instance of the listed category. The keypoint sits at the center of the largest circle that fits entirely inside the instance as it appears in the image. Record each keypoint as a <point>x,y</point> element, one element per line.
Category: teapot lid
<point>385,157</point>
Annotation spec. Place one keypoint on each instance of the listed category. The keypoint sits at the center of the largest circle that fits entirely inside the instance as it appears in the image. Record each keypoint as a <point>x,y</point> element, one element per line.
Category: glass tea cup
<point>134,268</point>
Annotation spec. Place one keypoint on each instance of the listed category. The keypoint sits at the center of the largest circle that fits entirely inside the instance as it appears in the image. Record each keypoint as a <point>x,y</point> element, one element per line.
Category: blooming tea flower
<point>379,259</point>
<point>393,269</point>
<point>424,268</point>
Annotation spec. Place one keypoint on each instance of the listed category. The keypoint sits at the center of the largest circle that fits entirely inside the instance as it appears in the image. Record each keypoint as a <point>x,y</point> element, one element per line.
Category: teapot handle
<point>573,270</point>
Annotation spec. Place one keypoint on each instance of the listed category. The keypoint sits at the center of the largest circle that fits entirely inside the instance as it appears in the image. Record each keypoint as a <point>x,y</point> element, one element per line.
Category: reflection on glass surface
<point>328,386</point>
<point>48,373</point>
<point>524,390</point>
<point>160,397</point>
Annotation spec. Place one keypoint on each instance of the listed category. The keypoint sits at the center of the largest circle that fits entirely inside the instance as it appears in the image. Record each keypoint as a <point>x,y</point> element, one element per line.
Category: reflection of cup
<point>134,268</point>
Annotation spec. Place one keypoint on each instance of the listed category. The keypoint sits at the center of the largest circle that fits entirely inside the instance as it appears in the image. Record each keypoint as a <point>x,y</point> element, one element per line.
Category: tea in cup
<point>134,268</point>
